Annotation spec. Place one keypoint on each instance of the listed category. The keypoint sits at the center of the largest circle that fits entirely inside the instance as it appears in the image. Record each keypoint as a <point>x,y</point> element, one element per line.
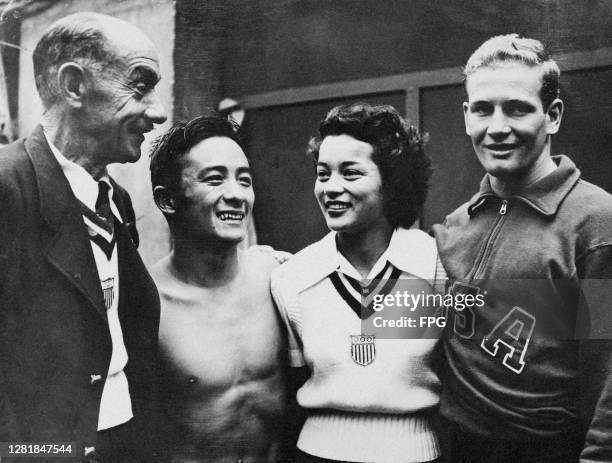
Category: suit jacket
<point>54,337</point>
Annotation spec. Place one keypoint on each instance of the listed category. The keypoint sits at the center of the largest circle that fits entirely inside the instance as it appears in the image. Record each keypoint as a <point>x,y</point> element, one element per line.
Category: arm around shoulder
<point>280,256</point>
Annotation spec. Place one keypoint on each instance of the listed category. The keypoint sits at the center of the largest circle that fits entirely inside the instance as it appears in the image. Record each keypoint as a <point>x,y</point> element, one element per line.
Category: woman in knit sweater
<point>369,398</point>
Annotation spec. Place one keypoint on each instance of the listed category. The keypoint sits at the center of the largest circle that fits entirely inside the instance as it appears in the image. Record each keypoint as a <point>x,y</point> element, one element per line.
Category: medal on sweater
<point>359,295</point>
<point>363,349</point>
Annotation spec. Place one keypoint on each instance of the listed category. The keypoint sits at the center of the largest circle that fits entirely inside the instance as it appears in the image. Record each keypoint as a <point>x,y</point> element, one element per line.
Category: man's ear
<point>466,109</point>
<point>72,82</point>
<point>553,116</point>
<point>164,200</point>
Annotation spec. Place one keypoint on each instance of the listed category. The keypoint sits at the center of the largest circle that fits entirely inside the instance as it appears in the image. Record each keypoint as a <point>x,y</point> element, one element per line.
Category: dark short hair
<point>512,47</point>
<point>398,154</point>
<point>78,38</point>
<point>169,149</point>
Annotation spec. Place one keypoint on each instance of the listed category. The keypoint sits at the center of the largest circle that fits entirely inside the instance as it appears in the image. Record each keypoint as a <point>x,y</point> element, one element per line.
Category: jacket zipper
<point>484,254</point>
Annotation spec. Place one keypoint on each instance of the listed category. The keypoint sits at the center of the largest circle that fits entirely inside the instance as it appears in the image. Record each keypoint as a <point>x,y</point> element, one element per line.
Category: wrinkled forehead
<point>131,44</point>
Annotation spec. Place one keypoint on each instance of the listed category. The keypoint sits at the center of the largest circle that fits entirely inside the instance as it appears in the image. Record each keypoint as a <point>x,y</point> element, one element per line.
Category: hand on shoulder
<point>280,256</point>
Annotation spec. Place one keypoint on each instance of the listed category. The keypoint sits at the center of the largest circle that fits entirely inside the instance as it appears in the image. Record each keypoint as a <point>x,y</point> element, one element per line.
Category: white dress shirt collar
<point>401,253</point>
<point>83,185</point>
<point>410,250</point>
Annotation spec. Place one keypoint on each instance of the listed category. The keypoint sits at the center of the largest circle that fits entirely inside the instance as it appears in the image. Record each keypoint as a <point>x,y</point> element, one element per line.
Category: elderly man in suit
<point>79,314</point>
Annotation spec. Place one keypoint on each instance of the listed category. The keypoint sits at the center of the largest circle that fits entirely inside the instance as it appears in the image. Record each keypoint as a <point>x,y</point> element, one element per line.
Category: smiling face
<point>216,191</point>
<point>122,105</point>
<point>506,121</point>
<point>349,186</point>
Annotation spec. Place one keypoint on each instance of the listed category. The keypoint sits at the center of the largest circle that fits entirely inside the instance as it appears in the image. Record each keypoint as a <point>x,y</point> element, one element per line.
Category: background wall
<point>273,44</point>
<point>9,34</point>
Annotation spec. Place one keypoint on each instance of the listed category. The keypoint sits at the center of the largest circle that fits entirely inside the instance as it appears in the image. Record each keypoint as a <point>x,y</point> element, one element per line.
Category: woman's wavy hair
<point>398,153</point>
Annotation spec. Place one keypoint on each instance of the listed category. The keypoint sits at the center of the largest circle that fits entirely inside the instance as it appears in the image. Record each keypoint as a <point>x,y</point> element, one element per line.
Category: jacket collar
<point>410,250</point>
<point>69,249</point>
<point>55,193</point>
<point>544,196</point>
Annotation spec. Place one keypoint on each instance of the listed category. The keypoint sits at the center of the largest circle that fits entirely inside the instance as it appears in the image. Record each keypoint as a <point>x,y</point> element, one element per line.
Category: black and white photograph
<point>306,231</point>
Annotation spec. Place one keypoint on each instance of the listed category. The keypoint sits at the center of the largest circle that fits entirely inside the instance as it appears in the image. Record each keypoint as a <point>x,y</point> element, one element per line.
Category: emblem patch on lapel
<point>363,349</point>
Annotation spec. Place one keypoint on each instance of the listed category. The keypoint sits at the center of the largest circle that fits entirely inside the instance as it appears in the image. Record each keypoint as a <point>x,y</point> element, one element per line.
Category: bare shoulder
<point>161,274</point>
<point>264,257</point>
<point>160,267</point>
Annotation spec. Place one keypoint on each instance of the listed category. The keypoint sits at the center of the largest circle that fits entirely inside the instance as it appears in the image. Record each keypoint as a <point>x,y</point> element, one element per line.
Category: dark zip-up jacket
<point>535,363</point>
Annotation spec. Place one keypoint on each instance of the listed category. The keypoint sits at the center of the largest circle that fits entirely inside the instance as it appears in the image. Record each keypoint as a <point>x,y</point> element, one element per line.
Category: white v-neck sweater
<point>381,412</point>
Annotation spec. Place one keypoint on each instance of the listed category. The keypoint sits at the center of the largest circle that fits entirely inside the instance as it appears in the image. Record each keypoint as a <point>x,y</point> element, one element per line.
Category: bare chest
<point>222,340</point>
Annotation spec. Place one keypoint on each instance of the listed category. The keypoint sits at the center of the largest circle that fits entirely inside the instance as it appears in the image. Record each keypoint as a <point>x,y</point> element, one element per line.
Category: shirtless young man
<point>220,340</point>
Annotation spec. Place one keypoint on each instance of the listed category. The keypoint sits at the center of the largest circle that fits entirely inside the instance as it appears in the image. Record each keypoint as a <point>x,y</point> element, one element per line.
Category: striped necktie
<point>101,224</point>
<point>103,210</point>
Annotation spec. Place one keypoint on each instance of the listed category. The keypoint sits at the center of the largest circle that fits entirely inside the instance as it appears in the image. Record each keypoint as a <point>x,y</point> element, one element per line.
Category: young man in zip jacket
<point>529,375</point>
